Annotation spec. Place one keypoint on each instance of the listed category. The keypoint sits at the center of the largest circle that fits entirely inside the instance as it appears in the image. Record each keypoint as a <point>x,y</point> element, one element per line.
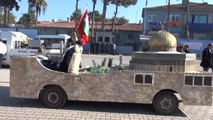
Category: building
<point>125,34</point>
<point>200,20</point>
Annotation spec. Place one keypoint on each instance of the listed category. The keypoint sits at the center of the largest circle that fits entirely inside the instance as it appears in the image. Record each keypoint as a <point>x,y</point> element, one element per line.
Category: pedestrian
<point>92,45</point>
<point>206,62</point>
<point>3,51</point>
<point>114,48</point>
<point>97,47</point>
<point>180,48</point>
<point>186,49</point>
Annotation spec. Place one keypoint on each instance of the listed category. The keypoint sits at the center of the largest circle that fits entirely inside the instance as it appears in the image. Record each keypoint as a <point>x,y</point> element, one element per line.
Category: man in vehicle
<point>3,51</point>
<point>72,42</point>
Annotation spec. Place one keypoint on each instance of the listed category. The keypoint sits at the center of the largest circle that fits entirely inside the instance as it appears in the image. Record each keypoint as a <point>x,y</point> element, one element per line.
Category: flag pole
<point>144,21</point>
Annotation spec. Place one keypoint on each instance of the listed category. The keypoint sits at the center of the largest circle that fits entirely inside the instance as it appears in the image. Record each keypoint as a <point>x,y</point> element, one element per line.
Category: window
<point>198,81</point>
<point>106,39</point>
<point>151,18</point>
<point>5,42</point>
<point>208,81</point>
<point>139,79</point>
<point>199,18</point>
<point>146,79</point>
<point>100,39</point>
<point>174,18</point>
<point>17,44</point>
<point>188,80</point>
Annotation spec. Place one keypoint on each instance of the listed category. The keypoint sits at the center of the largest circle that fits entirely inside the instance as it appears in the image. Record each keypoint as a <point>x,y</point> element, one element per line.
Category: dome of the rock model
<point>162,41</point>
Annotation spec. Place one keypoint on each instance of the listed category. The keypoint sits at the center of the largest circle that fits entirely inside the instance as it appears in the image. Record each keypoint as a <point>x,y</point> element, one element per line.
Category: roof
<point>191,6</point>
<point>97,25</point>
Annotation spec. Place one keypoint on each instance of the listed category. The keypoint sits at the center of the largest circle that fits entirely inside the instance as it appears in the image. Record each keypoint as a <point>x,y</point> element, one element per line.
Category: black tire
<point>53,97</point>
<point>165,103</point>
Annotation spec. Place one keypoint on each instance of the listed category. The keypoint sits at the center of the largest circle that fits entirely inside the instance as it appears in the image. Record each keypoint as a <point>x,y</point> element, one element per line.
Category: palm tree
<point>118,3</point>
<point>106,2</point>
<point>8,5</point>
<point>41,5</point>
<point>76,8</point>
<point>93,16</point>
<point>31,5</point>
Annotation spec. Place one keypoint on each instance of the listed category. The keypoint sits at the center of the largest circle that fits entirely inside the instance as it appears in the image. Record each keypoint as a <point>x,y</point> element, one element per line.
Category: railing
<point>200,27</point>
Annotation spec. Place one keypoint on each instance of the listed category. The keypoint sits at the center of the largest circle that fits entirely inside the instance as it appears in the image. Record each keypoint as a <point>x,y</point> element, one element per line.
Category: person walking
<point>3,51</point>
<point>206,62</point>
<point>186,49</point>
<point>114,48</point>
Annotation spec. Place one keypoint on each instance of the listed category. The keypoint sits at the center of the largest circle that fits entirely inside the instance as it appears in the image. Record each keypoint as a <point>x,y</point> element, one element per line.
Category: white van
<point>52,41</point>
<point>14,40</point>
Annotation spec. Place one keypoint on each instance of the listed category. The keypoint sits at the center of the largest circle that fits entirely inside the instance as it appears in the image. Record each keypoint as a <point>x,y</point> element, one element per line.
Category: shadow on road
<point>126,108</point>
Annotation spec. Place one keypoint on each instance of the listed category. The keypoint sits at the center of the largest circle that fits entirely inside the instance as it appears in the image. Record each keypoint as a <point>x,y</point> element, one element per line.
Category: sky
<point>61,9</point>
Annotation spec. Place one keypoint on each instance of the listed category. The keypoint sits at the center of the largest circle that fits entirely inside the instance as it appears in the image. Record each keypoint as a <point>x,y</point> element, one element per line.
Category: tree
<point>40,6</point>
<point>105,3</point>
<point>27,19</point>
<point>98,16</point>
<point>76,9</point>
<point>118,3</point>
<point>8,5</point>
<point>76,15</point>
<point>93,15</point>
<point>122,20</point>
<point>11,18</point>
<point>1,15</point>
<point>31,6</point>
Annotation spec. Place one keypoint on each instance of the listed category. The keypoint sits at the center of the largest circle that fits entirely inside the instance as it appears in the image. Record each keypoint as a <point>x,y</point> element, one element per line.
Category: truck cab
<point>14,41</point>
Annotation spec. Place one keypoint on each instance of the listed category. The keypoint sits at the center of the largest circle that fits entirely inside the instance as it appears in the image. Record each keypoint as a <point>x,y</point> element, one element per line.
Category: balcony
<point>158,26</point>
<point>200,27</point>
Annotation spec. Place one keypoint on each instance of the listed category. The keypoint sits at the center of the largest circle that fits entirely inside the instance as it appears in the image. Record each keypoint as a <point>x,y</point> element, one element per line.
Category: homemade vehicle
<point>162,79</point>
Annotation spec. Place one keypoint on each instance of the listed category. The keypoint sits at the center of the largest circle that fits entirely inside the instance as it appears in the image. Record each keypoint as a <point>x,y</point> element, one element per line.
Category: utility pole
<point>187,20</point>
<point>168,15</point>
<point>144,22</point>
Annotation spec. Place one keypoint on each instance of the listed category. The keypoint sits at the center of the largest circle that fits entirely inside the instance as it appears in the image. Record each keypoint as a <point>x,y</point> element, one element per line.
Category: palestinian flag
<point>83,27</point>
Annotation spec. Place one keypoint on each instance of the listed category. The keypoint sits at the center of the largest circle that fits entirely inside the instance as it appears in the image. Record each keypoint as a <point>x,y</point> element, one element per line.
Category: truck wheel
<point>53,97</point>
<point>165,103</point>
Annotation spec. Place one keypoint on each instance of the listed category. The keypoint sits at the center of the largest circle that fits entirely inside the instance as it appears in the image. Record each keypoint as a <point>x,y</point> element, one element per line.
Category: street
<point>27,109</point>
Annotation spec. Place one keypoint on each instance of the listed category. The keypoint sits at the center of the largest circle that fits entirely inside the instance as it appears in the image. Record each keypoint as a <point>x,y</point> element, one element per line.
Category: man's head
<point>186,47</point>
<point>79,42</point>
<point>74,37</point>
<point>210,45</point>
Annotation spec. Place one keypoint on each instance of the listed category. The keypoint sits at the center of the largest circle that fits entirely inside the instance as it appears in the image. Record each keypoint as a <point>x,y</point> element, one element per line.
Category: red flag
<point>83,27</point>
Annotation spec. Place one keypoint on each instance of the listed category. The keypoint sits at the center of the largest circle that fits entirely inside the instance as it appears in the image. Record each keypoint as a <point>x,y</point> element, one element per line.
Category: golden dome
<point>163,41</point>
